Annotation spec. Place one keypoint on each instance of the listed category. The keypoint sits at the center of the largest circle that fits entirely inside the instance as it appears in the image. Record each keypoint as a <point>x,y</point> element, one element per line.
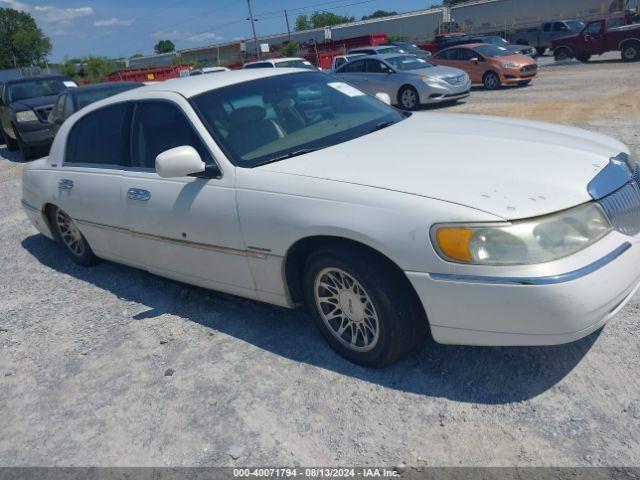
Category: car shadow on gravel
<point>11,156</point>
<point>466,374</point>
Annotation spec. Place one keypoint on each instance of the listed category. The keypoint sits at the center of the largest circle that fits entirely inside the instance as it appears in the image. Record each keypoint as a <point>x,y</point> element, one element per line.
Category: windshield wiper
<point>296,153</point>
<point>382,125</point>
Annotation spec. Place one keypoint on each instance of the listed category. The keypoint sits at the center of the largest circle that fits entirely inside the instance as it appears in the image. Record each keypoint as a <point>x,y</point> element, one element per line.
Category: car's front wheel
<point>71,238</point>
<point>491,81</point>
<point>12,145</point>
<point>362,306</point>
<point>408,98</point>
<point>28,153</point>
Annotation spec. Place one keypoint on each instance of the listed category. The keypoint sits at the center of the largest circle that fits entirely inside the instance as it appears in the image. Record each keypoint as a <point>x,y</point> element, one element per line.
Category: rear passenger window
<point>101,137</point>
<point>353,67</point>
<point>160,126</point>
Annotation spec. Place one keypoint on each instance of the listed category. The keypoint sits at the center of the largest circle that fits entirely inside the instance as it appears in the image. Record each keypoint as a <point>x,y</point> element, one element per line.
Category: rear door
<point>88,182</point>
<point>355,72</point>
<point>185,228</point>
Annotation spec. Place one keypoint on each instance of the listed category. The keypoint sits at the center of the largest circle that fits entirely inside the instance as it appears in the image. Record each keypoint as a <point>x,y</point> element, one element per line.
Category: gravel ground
<point>113,366</point>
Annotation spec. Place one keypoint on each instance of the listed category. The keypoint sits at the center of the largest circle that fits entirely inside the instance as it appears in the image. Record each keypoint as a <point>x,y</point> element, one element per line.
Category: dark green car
<point>25,105</point>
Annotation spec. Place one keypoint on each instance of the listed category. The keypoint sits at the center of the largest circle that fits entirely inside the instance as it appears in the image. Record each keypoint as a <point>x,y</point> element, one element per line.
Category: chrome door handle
<point>138,194</point>
<point>65,184</point>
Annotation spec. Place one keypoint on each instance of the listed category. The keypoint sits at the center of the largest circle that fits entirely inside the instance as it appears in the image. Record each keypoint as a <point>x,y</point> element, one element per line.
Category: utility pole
<point>286,17</point>
<point>253,27</point>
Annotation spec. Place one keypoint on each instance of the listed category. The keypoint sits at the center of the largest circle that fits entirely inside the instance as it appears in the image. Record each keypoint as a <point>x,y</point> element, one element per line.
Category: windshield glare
<point>295,64</point>
<point>408,62</point>
<point>496,40</point>
<point>575,24</point>
<point>490,50</point>
<point>258,122</point>
<point>34,89</point>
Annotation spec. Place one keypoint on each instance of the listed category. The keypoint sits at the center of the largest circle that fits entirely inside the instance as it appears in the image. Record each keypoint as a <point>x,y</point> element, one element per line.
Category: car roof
<point>105,86</point>
<point>40,77</point>
<point>465,45</point>
<point>191,86</point>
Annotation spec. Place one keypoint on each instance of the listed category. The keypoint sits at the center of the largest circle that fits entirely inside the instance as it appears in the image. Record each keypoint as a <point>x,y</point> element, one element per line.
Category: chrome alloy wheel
<point>630,53</point>
<point>346,309</point>
<point>409,99</point>
<point>70,234</point>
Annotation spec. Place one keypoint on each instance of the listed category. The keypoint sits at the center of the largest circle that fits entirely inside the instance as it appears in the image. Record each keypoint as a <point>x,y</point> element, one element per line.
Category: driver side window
<point>160,126</point>
<point>376,66</point>
<point>353,67</point>
<point>464,54</point>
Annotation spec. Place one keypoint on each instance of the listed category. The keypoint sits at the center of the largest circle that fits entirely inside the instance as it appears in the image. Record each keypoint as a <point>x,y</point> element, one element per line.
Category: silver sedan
<point>408,80</point>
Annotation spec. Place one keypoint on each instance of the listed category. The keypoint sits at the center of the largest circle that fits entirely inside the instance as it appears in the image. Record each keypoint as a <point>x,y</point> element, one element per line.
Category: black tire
<point>64,228</point>
<point>12,145</point>
<point>491,81</point>
<point>541,51</point>
<point>390,298</point>
<point>584,58</point>
<point>630,52</point>
<point>28,153</point>
<point>408,98</point>
<point>562,54</point>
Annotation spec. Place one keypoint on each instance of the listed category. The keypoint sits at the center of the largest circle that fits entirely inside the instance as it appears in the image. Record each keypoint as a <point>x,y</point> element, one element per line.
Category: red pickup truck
<point>598,37</point>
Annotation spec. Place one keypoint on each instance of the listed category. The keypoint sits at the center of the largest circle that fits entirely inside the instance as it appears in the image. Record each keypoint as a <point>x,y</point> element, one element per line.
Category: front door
<point>594,38</point>
<point>184,228</point>
<point>379,80</point>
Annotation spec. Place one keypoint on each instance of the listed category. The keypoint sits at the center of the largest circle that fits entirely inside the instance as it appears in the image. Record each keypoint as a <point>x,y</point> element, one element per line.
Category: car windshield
<point>408,62</point>
<point>575,24</point>
<point>490,50</point>
<point>295,64</point>
<point>89,96</point>
<point>274,118</point>
<point>496,40</point>
<point>36,88</point>
<point>385,50</point>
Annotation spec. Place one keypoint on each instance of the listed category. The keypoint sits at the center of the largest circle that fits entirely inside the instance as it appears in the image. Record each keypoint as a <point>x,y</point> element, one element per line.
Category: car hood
<point>509,168</point>
<point>438,71</point>
<point>31,103</point>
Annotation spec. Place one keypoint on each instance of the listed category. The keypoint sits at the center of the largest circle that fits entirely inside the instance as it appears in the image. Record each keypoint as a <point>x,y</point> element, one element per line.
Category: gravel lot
<point>85,356</point>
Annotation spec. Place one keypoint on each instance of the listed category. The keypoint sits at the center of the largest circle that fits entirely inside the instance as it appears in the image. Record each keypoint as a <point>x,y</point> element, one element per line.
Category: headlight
<point>434,82</point>
<point>509,65</point>
<point>523,242</point>
<point>26,116</point>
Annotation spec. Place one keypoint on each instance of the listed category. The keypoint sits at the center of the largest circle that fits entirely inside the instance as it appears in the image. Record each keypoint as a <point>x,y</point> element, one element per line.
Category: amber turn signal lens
<point>454,242</point>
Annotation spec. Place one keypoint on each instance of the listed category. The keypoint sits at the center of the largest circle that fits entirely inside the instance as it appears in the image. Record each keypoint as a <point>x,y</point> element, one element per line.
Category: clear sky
<point>118,28</point>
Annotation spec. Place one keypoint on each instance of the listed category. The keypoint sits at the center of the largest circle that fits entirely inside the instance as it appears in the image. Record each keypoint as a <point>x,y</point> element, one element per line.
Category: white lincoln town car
<point>288,186</point>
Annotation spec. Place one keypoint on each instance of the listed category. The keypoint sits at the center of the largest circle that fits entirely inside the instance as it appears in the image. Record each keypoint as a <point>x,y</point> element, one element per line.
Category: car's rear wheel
<point>562,54</point>
<point>408,98</point>
<point>631,52</point>
<point>71,238</point>
<point>491,81</point>
<point>361,306</point>
<point>541,51</point>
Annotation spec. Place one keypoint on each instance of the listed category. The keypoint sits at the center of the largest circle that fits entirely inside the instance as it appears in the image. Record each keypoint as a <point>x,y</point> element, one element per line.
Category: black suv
<point>25,105</point>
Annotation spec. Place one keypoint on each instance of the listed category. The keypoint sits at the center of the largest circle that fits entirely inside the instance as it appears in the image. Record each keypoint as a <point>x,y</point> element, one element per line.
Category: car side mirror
<point>384,97</point>
<point>179,162</point>
<point>474,60</point>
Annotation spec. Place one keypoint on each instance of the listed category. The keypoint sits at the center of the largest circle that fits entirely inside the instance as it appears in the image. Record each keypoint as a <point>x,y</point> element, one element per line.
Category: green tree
<point>328,19</point>
<point>69,67</point>
<point>302,23</point>
<point>99,67</point>
<point>379,14</point>
<point>290,49</point>
<point>164,46</point>
<point>137,55</point>
<point>320,20</point>
<point>21,41</point>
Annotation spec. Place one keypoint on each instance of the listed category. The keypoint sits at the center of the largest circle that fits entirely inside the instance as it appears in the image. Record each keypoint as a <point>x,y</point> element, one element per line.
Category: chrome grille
<point>456,80</point>
<point>623,207</point>
<point>43,112</point>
